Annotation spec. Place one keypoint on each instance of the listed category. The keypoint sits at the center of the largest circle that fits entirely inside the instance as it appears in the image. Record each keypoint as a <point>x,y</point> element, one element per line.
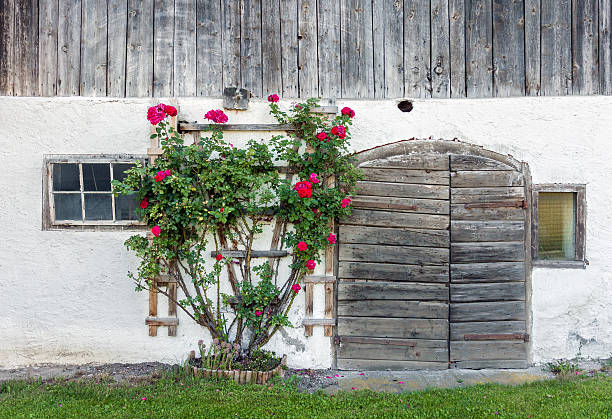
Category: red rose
<point>219,256</point>
<point>304,189</point>
<point>305,193</point>
<point>273,98</point>
<point>339,130</point>
<point>220,209</point>
<point>346,202</point>
<point>170,110</point>
<point>144,203</point>
<point>156,231</point>
<point>156,114</point>
<point>331,238</point>
<point>296,288</point>
<point>302,246</point>
<point>321,136</point>
<point>217,116</point>
<point>348,111</point>
<point>310,264</point>
<point>258,313</point>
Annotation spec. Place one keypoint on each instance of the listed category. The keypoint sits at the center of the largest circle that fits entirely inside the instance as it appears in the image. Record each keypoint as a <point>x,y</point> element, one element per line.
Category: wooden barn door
<point>393,267</point>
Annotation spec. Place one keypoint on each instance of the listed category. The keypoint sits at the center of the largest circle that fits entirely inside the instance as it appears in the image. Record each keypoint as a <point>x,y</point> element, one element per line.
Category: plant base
<point>244,377</point>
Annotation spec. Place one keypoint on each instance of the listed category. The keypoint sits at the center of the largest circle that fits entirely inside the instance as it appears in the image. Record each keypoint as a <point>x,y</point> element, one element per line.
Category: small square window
<point>558,237</point>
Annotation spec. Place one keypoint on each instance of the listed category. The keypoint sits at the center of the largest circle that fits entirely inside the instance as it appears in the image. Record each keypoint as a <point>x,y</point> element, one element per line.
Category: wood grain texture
<point>393,328</point>
<point>391,352</point>
<point>388,38</point>
<point>356,48</point>
<point>384,308</point>
<point>25,46</point>
<point>482,231</point>
<point>424,206</point>
<point>402,190</point>
<point>496,291</point>
<point>7,51</point>
<point>417,52</point>
<point>392,291</point>
<point>470,162</point>
<point>475,178</point>
<point>487,312</point>
<point>532,47</point>
<point>251,74</point>
<point>308,295</point>
<point>456,14</point>
<point>392,272</point>
<point>289,47</point>
<point>491,363</point>
<point>375,364</point>
<point>487,252</point>
<point>393,236</point>
<point>460,212</point>
<point>429,177</point>
<point>328,44</point>
<point>556,65</point>
<point>308,70</point>
<point>487,195</point>
<point>47,47</point>
<point>478,351</point>
<point>93,48</point>
<point>459,330</point>
<point>163,45</point>
<point>401,254</point>
<point>605,47</point>
<point>585,53</point>
<point>440,49</point>
<point>508,48</point>
<point>117,47</point>
<point>416,161</point>
<point>478,48</point>
<point>139,62</point>
<point>394,219</point>
<point>487,272</point>
<point>271,47</point>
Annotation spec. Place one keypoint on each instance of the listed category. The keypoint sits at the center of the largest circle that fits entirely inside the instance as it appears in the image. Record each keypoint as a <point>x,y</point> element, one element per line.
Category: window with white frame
<point>559,218</point>
<point>79,191</point>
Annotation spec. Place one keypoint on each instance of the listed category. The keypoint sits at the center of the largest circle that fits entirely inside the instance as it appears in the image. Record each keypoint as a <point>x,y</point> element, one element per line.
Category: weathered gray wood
<point>508,48</point>
<point>307,49</point>
<point>394,254</point>
<point>496,291</point>
<point>163,44</point>
<point>69,48</point>
<point>487,252</point>
<point>440,49</point>
<point>139,63</point>
<point>7,52</point>
<point>93,48</point>
<point>378,49</point>
<point>605,47</point>
<point>402,190</point>
<point>487,272</point>
<point>388,38</point>
<point>477,351</point>
<point>188,126</point>
<point>329,77</point>
<point>487,195</point>
<point>555,38</point>
<point>391,352</point>
<point>532,47</point>
<point>231,49</point>
<point>392,291</point>
<point>47,48</point>
<point>487,312</point>
<point>459,330</point>
<point>393,328</point>
<point>471,179</point>
<point>478,48</point>
<point>406,176</point>
<point>417,161</point>
<point>382,365</point>
<point>417,53</point>
<point>251,69</point>
<point>117,44</point>
<point>393,236</point>
<point>470,162</point>
<point>289,47</point>
<point>210,54</point>
<point>394,219</point>
<point>424,206</point>
<point>482,231</point>
<point>392,272</point>
<point>460,212</point>
<point>585,54</point>
<point>254,253</point>
<point>25,46</point>
<point>491,363</point>
<point>356,48</point>
<point>271,47</point>
<point>384,308</point>
<point>456,14</point>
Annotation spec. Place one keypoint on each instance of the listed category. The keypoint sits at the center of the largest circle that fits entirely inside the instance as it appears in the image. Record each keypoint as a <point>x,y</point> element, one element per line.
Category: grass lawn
<point>182,398</point>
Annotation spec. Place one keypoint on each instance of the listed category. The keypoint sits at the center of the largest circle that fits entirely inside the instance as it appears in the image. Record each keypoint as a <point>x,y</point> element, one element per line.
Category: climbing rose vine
<point>211,196</point>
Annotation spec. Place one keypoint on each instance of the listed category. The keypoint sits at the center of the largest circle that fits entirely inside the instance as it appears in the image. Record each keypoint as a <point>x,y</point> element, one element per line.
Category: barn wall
<point>66,297</point>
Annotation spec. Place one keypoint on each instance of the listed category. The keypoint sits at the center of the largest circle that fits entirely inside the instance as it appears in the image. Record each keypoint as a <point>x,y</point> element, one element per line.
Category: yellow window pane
<point>556,225</point>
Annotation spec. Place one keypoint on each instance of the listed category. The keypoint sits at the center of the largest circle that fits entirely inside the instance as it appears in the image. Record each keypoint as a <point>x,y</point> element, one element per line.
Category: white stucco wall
<point>65,296</point>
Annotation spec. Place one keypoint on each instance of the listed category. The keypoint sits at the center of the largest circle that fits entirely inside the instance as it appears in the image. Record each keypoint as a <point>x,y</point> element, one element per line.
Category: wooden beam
<point>318,322</point>
<point>192,126</point>
<point>254,253</point>
<point>162,321</point>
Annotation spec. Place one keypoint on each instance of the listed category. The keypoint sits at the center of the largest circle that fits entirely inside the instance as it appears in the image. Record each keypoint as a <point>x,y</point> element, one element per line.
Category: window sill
<point>99,226</point>
<point>560,264</point>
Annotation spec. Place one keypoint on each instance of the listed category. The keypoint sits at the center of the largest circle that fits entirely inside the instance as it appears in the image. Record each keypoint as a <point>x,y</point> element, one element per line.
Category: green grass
<point>184,398</point>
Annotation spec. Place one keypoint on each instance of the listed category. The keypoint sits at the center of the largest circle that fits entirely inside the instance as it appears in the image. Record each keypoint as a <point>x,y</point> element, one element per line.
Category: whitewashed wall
<point>65,297</point>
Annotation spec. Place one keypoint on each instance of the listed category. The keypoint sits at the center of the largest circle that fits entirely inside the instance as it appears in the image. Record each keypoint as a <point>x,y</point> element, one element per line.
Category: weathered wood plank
<point>271,47</point>
<point>456,12</point>
<point>393,328</point>
<point>209,63</point>
<point>495,291</point>
<point>392,272</point>
<point>378,50</point>
<point>163,44</point>
<point>468,162</point>
<point>139,64</point>
<point>289,47</point>
<point>605,47</point>
<point>330,83</point>
<point>487,272</point>
<point>93,48</point>
<point>491,363</point>
<point>394,219</point>
<point>556,54</point>
<point>356,49</point>
<point>429,343</point>
<point>488,178</point>
<point>308,70</point>
<point>403,190</point>
<point>394,254</point>
<point>254,253</point>
<point>460,212</point>
<point>251,70</point>
<point>393,236</point>
<point>508,48</point>
<point>231,49</point>
<point>424,206</point>
<point>585,54</point>
<point>487,312</point>
<point>482,231</point>
<point>392,291</point>
<point>188,126</point>
<point>47,48</point>
<point>440,49</point>
<point>488,252</point>
<point>406,176</point>
<point>477,351</point>
<point>384,308</point>
<point>478,45</point>
<point>117,44</point>
<point>26,48</point>
<point>7,51</point>
<point>351,350</point>
<point>484,195</point>
<point>459,330</point>
<point>381,365</point>
<point>532,47</point>
<point>69,48</point>
<point>417,52</point>
<point>388,38</point>
<point>433,161</point>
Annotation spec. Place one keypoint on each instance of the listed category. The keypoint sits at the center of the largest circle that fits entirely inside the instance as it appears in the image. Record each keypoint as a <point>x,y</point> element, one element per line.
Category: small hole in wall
<point>405,106</point>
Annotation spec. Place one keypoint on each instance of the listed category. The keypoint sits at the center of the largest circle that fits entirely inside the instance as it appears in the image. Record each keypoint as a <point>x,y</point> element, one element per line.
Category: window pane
<point>556,225</point>
<point>98,207</point>
<point>66,177</point>
<point>126,206</point>
<point>96,177</point>
<point>67,206</point>
<point>119,169</point>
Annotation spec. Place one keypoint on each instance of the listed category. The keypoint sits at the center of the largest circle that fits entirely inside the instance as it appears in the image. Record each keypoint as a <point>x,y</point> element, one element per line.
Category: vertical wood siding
<point>303,48</point>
